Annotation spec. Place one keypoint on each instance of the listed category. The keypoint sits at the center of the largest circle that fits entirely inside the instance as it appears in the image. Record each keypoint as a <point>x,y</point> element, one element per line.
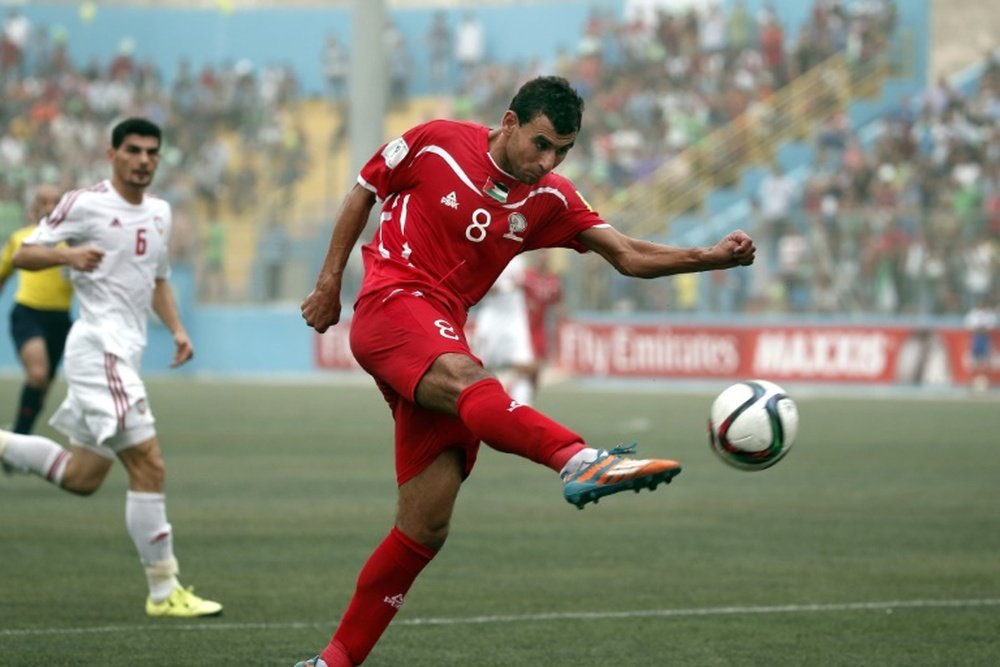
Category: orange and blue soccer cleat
<point>612,471</point>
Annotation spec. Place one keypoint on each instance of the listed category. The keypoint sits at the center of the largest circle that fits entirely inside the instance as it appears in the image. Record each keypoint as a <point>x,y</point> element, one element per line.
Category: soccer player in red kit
<point>542,291</point>
<point>459,201</point>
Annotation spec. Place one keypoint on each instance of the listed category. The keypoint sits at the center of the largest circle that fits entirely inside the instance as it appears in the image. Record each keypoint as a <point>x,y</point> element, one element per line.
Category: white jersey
<point>116,297</point>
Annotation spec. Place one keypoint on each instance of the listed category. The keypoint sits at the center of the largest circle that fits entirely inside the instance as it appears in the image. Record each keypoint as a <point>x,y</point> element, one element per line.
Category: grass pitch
<point>875,542</point>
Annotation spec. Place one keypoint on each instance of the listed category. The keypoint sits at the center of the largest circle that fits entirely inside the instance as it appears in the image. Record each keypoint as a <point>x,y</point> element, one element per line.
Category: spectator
<point>213,277</point>
<point>16,30</point>
<point>336,65</point>
<point>439,53</point>
<point>273,253</point>
<point>776,196</point>
<point>399,66</point>
<point>470,44</point>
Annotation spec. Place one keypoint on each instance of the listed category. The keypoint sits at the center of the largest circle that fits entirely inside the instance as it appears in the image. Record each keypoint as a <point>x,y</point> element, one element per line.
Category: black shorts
<point>51,325</point>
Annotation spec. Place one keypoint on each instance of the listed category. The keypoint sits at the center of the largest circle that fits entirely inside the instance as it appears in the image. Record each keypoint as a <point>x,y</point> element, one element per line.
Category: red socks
<point>382,583</point>
<point>507,426</point>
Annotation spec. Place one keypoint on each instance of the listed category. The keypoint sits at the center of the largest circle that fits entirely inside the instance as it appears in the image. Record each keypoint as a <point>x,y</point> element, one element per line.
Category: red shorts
<point>396,339</point>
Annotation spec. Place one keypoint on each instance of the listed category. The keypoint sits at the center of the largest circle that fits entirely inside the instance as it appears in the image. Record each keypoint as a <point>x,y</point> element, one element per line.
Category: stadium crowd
<point>657,83</point>
<point>905,225</point>
<point>56,112</point>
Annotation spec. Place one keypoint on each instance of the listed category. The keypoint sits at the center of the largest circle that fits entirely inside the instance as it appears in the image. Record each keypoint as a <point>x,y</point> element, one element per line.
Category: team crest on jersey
<point>516,224</point>
<point>450,200</point>
<point>394,152</point>
<point>116,223</point>
<point>140,406</point>
<point>158,223</point>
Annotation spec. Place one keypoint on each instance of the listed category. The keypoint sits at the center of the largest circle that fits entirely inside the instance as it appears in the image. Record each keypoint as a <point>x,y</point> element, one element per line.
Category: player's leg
<point>418,348</point>
<point>439,372</point>
<point>35,360</point>
<point>456,384</point>
<point>80,470</point>
<point>424,512</point>
<point>146,521</point>
<point>521,385</point>
<point>27,327</point>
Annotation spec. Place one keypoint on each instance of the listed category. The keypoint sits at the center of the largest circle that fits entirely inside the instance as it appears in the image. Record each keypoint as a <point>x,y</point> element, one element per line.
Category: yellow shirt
<point>48,289</point>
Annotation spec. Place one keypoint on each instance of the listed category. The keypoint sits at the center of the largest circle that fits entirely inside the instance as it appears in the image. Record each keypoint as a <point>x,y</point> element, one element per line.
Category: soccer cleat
<point>612,471</point>
<point>311,662</point>
<point>183,603</point>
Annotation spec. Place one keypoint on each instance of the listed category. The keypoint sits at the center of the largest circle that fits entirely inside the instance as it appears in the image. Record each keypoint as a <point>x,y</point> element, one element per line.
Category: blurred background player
<point>981,321</point>
<point>39,320</point>
<point>501,337</point>
<point>115,239</point>
<point>542,294</point>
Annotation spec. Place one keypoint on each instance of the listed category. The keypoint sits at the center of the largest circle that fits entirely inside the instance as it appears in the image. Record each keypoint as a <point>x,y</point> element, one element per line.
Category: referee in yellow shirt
<point>39,321</point>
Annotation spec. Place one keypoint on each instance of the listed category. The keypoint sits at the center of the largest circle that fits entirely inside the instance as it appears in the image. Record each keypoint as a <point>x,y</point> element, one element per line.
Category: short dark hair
<point>140,126</point>
<point>552,97</point>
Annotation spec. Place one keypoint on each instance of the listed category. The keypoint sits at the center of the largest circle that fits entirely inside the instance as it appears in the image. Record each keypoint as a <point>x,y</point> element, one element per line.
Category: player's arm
<point>644,259</point>
<point>165,307</point>
<point>6,263</point>
<point>321,308</point>
<point>33,257</point>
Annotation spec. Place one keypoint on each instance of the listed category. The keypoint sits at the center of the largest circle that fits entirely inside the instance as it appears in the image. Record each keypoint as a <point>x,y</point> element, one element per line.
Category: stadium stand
<point>690,106</point>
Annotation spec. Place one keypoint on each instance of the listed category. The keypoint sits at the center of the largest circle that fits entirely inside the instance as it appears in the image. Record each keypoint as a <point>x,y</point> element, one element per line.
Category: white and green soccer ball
<point>753,424</point>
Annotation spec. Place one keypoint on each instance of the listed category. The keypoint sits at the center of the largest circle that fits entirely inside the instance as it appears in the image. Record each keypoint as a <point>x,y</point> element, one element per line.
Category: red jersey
<point>452,219</point>
<point>541,292</point>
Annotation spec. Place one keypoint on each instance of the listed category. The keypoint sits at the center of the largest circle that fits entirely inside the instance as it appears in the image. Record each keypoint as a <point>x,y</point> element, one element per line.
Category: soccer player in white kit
<point>501,338</point>
<point>116,238</point>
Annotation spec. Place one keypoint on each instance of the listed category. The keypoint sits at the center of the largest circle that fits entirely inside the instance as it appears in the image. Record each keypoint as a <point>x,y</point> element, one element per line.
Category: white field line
<point>209,624</point>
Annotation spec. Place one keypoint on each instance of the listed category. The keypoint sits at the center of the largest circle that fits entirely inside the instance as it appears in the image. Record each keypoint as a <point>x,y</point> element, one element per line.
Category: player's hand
<point>84,258</point>
<point>736,249</point>
<point>183,349</point>
<point>321,309</point>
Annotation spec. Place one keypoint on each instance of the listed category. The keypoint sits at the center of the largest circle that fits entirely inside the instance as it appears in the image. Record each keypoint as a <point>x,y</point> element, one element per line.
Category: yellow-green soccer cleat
<point>183,603</point>
<point>613,471</point>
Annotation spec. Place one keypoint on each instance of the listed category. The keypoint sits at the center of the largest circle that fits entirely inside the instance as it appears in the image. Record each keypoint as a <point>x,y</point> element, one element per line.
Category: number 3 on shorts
<point>446,329</point>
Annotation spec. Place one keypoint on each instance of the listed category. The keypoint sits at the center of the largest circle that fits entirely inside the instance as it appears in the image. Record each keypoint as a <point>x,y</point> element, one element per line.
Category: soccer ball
<point>752,424</point>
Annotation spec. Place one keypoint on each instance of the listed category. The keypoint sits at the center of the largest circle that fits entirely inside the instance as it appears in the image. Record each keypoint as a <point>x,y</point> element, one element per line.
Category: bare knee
<point>38,378</point>
<point>445,380</point>
<point>426,502</point>
<point>431,534</point>
<point>84,476</point>
<point>426,521</point>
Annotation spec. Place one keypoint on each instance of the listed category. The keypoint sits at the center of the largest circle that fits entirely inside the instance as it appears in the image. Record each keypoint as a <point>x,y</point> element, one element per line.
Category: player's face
<point>46,199</point>
<point>534,148</point>
<point>134,162</point>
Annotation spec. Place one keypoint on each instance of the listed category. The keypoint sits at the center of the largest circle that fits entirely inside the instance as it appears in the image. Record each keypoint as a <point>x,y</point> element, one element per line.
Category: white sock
<point>37,455</point>
<point>146,520</point>
<point>578,460</point>
<point>522,391</point>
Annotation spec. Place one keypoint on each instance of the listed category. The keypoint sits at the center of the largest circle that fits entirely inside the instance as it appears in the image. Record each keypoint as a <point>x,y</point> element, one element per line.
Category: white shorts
<point>501,338</point>
<point>105,409</point>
